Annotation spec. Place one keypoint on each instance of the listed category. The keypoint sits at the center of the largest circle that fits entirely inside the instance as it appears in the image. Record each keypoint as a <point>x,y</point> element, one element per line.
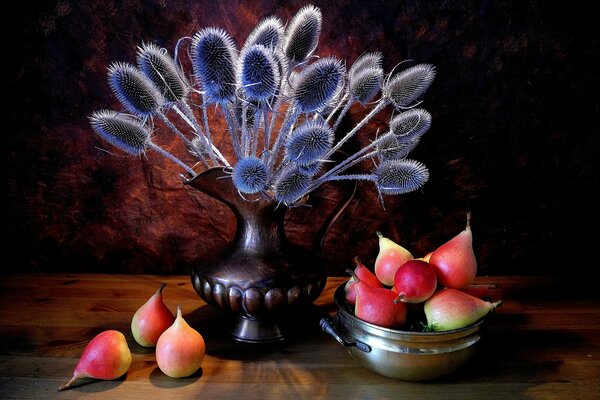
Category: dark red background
<point>514,136</point>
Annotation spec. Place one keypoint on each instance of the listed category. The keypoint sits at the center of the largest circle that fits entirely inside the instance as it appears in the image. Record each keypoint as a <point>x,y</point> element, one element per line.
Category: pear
<point>376,305</point>
<point>415,281</point>
<point>451,308</point>
<point>151,320</point>
<point>180,349</point>
<point>454,261</point>
<point>389,258</point>
<point>106,357</point>
<point>364,274</point>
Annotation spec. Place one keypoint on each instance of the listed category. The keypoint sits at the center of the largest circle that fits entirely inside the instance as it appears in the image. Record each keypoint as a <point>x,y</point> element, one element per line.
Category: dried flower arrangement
<point>282,105</point>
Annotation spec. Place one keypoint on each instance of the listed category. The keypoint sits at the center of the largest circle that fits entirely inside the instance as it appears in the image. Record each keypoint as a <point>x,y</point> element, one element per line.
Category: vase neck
<point>259,220</point>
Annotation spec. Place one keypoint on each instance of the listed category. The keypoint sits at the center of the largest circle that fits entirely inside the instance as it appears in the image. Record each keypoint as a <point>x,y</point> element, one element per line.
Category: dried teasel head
<point>396,177</point>
<point>156,64</point>
<point>309,142</point>
<point>213,59</point>
<point>258,73</point>
<point>318,84</point>
<point>302,34</point>
<point>136,92</point>
<point>250,175</point>
<point>120,130</point>
<point>408,86</point>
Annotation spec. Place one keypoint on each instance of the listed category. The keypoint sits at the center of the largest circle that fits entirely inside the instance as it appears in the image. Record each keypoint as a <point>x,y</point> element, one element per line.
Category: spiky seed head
<point>414,123</point>
<point>268,32</point>
<point>394,147</point>
<point>318,84</point>
<point>291,185</point>
<point>213,59</point>
<point>157,65</point>
<point>365,84</point>
<point>136,92</point>
<point>365,61</point>
<point>309,142</point>
<point>302,34</point>
<point>406,87</point>
<point>258,73</point>
<point>250,175</point>
<point>311,169</point>
<point>400,176</point>
<point>122,131</point>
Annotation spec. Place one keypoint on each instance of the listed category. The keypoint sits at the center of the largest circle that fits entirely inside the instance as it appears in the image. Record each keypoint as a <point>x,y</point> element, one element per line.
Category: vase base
<point>248,330</point>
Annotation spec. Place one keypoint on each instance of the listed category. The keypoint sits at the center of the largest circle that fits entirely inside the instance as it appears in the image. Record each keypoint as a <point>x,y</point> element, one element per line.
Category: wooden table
<point>542,343</point>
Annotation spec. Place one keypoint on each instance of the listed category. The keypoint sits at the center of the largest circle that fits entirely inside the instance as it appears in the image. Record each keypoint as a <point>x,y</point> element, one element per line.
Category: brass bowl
<point>398,354</point>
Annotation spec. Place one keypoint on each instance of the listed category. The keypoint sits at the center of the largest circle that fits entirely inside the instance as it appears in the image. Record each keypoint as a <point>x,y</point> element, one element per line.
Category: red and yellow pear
<point>454,261</point>
<point>151,320</point>
<point>105,357</point>
<point>450,308</point>
<point>364,274</point>
<point>415,281</point>
<point>390,257</point>
<point>180,349</point>
<point>376,305</point>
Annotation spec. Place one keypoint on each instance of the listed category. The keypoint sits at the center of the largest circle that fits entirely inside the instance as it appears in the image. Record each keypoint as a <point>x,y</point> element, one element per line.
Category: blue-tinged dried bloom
<point>213,58</point>
<point>400,176</point>
<point>414,123</point>
<point>122,131</point>
<point>365,84</point>
<point>258,73</point>
<point>133,89</point>
<point>406,87</point>
<point>157,65</point>
<point>366,61</point>
<point>250,175</point>
<point>309,142</point>
<point>318,84</point>
<point>291,185</point>
<point>268,32</point>
<point>302,34</point>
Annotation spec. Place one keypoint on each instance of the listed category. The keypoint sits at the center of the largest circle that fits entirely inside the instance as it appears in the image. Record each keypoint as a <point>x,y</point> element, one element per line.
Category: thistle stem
<point>382,103</point>
<point>349,104</point>
<point>337,107</point>
<point>232,127</point>
<point>171,157</point>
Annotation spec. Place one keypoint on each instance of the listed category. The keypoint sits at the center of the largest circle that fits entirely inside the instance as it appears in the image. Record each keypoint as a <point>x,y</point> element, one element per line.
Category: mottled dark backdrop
<point>514,138</point>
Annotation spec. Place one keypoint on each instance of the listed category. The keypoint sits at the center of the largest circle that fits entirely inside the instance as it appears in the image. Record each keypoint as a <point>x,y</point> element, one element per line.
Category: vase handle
<point>333,217</point>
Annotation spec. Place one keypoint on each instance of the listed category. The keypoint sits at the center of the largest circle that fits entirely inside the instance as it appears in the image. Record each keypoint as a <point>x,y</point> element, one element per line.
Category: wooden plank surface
<point>543,343</point>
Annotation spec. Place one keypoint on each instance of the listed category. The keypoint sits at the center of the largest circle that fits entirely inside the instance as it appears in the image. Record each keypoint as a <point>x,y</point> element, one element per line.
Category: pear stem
<point>379,235</point>
<point>179,311</point>
<point>69,383</point>
<point>160,289</point>
<point>356,278</point>
<point>468,221</point>
<point>496,304</point>
<point>399,298</point>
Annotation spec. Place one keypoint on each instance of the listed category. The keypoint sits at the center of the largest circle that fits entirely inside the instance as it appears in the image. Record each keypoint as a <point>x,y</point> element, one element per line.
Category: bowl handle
<point>328,326</point>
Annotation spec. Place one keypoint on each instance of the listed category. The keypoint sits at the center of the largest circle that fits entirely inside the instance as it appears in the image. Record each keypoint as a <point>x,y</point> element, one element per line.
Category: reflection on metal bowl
<point>397,354</point>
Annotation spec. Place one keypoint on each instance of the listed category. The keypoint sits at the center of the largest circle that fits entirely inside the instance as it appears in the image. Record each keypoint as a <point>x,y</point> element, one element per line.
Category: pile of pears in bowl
<point>413,319</point>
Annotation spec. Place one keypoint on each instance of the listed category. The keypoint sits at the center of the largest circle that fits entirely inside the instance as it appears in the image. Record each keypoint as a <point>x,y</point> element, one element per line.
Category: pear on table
<point>105,357</point>
<point>454,261</point>
<point>180,349</point>
<point>451,308</point>
<point>364,274</point>
<point>390,257</point>
<point>151,320</point>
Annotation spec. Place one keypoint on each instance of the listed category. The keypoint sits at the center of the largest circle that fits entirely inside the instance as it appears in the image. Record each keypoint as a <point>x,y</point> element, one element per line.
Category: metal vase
<point>260,275</point>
